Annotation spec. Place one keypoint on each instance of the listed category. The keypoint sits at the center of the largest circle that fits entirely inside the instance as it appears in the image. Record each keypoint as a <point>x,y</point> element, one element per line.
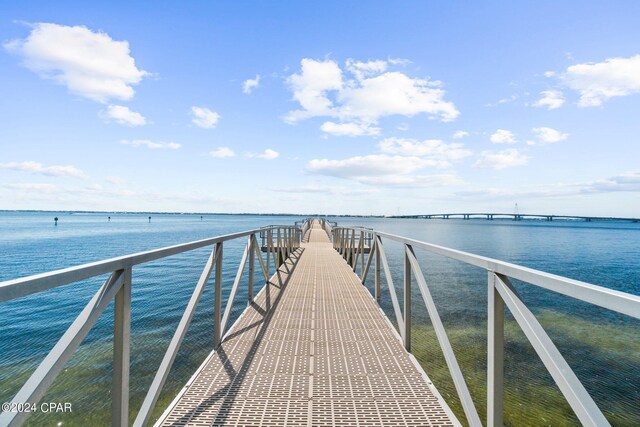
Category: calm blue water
<point>602,347</point>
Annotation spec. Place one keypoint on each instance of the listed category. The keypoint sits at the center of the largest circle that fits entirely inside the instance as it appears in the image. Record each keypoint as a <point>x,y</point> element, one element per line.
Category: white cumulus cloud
<point>222,152</point>
<point>151,144</point>
<point>33,187</point>
<point>269,154</point>
<point>395,93</point>
<point>349,129</point>
<point>310,88</point>
<point>383,170</point>
<point>90,64</point>
<point>204,118</point>
<point>459,134</point>
<point>362,70</point>
<point>598,82</point>
<point>437,180</point>
<point>362,93</point>
<point>433,148</point>
<point>250,84</point>
<point>629,181</point>
<point>370,165</point>
<point>501,159</point>
<point>548,135</point>
<point>40,169</point>
<point>551,99</point>
<point>503,136</point>
<point>124,116</point>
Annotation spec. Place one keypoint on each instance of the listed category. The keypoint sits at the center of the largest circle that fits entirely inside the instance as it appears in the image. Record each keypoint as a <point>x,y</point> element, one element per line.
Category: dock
<point>314,349</point>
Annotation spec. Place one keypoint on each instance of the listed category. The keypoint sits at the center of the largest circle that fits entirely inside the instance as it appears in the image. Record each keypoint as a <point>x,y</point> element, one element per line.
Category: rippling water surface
<point>602,347</point>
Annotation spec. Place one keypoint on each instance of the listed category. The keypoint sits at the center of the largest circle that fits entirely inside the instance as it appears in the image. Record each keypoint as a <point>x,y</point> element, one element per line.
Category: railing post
<point>362,253</point>
<point>287,233</point>
<point>279,248</point>
<point>406,335</point>
<point>284,245</point>
<point>121,349</point>
<point>377,285</point>
<point>352,252</point>
<point>286,238</point>
<point>356,252</point>
<point>495,354</point>
<point>345,235</point>
<point>269,253</point>
<point>343,244</point>
<point>346,245</point>
<point>252,257</point>
<point>217,310</point>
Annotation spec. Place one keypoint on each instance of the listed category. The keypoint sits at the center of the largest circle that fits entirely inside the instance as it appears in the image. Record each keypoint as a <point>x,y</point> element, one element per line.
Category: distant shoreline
<point>526,217</point>
<point>189,213</point>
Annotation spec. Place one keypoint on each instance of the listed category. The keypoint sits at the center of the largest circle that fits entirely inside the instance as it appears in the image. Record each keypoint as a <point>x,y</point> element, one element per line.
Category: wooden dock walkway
<point>314,349</point>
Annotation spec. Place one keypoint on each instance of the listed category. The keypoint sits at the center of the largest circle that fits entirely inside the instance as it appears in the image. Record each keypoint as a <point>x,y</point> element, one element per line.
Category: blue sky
<point>326,107</point>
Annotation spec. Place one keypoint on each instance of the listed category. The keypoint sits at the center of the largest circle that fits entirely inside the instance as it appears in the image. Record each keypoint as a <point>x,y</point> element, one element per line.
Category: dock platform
<point>313,349</point>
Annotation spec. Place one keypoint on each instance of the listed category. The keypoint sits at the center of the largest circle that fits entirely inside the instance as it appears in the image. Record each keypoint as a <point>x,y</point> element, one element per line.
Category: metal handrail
<point>501,293</point>
<point>327,228</point>
<point>282,240</point>
<point>306,226</point>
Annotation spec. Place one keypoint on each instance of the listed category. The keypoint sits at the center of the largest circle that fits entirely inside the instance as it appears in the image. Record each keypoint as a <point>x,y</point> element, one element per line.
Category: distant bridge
<point>515,216</point>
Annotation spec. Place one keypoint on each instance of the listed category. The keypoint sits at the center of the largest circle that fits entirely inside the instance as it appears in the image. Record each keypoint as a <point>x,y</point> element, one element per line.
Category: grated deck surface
<point>313,350</point>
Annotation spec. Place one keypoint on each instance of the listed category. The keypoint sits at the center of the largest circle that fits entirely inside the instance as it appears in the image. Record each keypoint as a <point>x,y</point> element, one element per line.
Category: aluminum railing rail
<point>285,239</point>
<point>501,293</point>
<point>351,244</point>
<point>328,227</point>
<point>306,226</point>
<point>280,242</point>
<point>324,224</point>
